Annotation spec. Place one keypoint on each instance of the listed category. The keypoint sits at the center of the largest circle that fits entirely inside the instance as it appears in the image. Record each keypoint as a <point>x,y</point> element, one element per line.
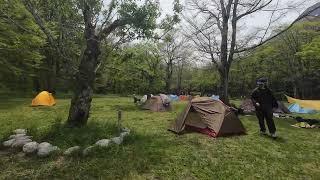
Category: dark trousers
<point>266,114</point>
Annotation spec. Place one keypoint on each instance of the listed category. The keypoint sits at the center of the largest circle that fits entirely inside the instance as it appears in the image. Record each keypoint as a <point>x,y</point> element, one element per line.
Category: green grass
<point>152,152</point>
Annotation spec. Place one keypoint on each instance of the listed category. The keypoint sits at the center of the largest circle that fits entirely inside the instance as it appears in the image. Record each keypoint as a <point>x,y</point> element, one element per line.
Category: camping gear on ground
<point>183,98</point>
<point>308,104</point>
<point>43,99</point>
<point>144,98</point>
<point>248,107</point>
<point>305,125</point>
<point>158,103</point>
<point>215,97</point>
<point>309,121</point>
<point>174,97</point>
<point>296,108</point>
<point>208,116</point>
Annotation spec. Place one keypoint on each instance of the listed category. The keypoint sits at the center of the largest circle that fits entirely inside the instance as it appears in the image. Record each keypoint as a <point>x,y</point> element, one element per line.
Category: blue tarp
<point>295,108</point>
<point>173,97</point>
<point>215,97</point>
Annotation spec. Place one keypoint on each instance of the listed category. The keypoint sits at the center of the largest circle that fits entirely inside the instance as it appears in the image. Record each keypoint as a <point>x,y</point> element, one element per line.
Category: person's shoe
<point>274,135</point>
<point>263,133</point>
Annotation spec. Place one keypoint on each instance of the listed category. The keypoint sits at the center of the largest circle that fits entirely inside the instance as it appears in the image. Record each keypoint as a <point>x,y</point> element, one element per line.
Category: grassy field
<point>152,152</point>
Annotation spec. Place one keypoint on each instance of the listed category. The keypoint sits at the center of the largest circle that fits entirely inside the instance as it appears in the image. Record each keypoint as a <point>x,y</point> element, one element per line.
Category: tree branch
<point>277,34</point>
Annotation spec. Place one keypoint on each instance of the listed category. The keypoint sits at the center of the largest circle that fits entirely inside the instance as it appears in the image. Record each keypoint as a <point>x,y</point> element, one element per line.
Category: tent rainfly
<point>43,99</point>
<point>248,107</point>
<point>208,116</point>
<point>158,103</point>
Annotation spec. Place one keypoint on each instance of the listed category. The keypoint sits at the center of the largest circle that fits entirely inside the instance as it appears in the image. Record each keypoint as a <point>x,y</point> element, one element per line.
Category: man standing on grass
<point>264,101</point>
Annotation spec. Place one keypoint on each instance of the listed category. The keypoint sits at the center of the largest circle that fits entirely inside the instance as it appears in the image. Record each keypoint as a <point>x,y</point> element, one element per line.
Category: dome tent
<point>158,103</point>
<point>208,116</point>
<point>43,99</point>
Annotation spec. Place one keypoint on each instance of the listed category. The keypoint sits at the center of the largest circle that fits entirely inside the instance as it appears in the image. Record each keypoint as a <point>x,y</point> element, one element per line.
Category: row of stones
<point>19,140</point>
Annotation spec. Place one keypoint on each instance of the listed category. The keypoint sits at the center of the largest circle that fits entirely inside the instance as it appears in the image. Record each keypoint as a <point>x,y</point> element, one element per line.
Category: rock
<point>20,142</point>
<point>117,140</point>
<point>45,149</point>
<point>87,150</point>
<point>103,143</point>
<point>17,136</point>
<point>72,150</point>
<point>124,134</point>
<point>20,131</point>
<point>8,143</point>
<point>30,147</point>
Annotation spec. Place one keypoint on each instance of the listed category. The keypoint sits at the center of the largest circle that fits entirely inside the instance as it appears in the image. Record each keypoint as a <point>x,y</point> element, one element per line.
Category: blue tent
<point>215,97</point>
<point>295,108</point>
<point>173,97</point>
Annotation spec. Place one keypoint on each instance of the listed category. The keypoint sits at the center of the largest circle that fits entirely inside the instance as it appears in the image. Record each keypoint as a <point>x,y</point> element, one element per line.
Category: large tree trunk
<point>224,84</point>
<point>81,101</point>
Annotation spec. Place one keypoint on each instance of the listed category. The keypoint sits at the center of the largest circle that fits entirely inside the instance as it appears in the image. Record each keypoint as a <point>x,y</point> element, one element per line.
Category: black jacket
<point>265,98</point>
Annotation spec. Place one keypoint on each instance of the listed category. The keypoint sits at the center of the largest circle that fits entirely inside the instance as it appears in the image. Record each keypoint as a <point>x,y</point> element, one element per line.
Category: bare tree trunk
<point>81,101</point>
<point>224,85</point>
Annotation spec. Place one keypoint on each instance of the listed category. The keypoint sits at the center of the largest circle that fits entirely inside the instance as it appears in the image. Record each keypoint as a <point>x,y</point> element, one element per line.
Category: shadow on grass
<point>10,103</point>
<point>278,139</point>
<point>139,154</point>
<point>64,137</point>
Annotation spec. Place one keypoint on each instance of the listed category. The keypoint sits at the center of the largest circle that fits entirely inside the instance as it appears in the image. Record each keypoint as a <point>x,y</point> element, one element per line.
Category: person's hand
<point>257,104</point>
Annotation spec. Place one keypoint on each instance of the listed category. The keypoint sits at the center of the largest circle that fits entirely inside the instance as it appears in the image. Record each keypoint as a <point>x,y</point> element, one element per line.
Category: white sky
<point>259,18</point>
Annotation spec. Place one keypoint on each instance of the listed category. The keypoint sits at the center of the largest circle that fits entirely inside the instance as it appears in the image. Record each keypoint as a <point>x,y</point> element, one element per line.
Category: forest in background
<point>28,63</point>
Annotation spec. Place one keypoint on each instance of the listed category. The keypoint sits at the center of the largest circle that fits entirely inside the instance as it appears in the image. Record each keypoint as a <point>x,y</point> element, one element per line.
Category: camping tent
<point>208,116</point>
<point>215,97</point>
<point>43,99</point>
<point>296,108</point>
<point>248,107</point>
<point>158,103</point>
<point>310,104</point>
<point>183,98</point>
<point>281,108</point>
<point>174,97</point>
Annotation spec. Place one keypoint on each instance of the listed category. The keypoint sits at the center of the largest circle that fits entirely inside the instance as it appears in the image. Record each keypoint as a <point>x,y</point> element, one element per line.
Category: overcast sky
<point>259,18</point>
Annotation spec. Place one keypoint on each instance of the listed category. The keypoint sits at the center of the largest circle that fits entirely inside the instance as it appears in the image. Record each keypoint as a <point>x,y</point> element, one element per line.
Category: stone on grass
<point>20,142</point>
<point>117,140</point>
<point>20,131</point>
<point>72,150</point>
<point>87,150</point>
<point>8,143</point>
<point>124,134</point>
<point>45,149</point>
<point>30,147</point>
<point>103,143</point>
<point>17,136</point>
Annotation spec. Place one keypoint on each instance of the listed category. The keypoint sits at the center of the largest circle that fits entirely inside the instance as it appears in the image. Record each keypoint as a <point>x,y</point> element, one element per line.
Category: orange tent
<point>183,98</point>
<point>43,99</point>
